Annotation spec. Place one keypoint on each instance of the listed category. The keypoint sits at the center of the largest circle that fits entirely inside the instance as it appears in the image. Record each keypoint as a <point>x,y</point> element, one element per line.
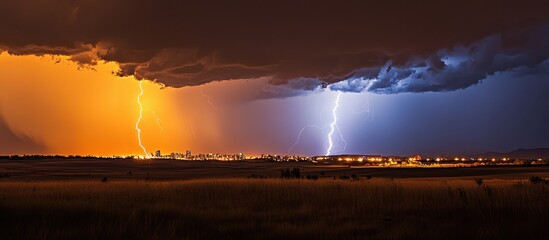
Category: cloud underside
<point>385,47</point>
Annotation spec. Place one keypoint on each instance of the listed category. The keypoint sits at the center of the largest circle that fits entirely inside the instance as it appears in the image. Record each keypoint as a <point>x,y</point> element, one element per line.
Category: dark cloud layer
<point>297,42</point>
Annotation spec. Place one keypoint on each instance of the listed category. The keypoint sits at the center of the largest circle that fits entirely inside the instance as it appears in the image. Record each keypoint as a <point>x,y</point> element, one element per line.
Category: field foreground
<point>275,209</point>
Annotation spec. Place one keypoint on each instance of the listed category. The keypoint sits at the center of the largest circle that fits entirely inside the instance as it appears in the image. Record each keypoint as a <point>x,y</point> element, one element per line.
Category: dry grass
<point>274,209</point>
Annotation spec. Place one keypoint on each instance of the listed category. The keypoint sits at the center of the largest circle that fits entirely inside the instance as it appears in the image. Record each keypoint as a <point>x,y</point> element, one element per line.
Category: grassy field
<point>275,209</point>
<point>129,169</point>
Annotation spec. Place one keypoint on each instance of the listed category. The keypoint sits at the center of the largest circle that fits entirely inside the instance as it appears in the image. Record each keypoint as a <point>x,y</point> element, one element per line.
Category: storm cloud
<point>382,46</point>
<point>458,67</point>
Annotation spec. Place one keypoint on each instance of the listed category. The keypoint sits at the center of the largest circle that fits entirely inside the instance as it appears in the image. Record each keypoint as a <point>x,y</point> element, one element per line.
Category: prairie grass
<point>274,209</point>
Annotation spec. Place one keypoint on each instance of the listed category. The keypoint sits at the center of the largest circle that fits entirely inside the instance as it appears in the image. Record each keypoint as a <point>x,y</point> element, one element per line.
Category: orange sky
<point>74,110</point>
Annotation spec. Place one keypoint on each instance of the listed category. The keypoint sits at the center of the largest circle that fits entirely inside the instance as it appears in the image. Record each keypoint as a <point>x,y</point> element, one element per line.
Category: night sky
<point>434,77</point>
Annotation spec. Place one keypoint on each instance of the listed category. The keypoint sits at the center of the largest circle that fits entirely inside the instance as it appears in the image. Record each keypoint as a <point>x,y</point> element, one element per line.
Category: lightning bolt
<point>333,125</point>
<point>366,108</point>
<point>333,128</point>
<point>342,139</point>
<point>301,133</point>
<point>158,120</point>
<point>140,118</point>
<point>192,130</point>
<point>208,99</point>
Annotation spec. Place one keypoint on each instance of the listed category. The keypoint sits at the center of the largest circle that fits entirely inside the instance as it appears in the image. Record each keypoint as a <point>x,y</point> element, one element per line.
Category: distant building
<point>188,154</point>
<point>414,158</point>
<point>157,154</point>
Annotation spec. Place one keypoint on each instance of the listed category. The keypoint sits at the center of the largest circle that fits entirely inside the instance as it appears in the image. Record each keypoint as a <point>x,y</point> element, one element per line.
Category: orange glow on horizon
<point>75,110</point>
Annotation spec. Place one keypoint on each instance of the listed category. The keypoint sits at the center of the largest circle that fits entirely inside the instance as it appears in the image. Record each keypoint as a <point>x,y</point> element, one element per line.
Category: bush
<point>296,173</point>
<point>257,176</point>
<point>287,173</point>
<point>312,177</point>
<point>462,193</point>
<point>538,179</point>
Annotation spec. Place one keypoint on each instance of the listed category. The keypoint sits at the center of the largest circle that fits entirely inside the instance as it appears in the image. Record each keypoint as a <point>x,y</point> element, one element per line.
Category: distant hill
<point>531,153</point>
